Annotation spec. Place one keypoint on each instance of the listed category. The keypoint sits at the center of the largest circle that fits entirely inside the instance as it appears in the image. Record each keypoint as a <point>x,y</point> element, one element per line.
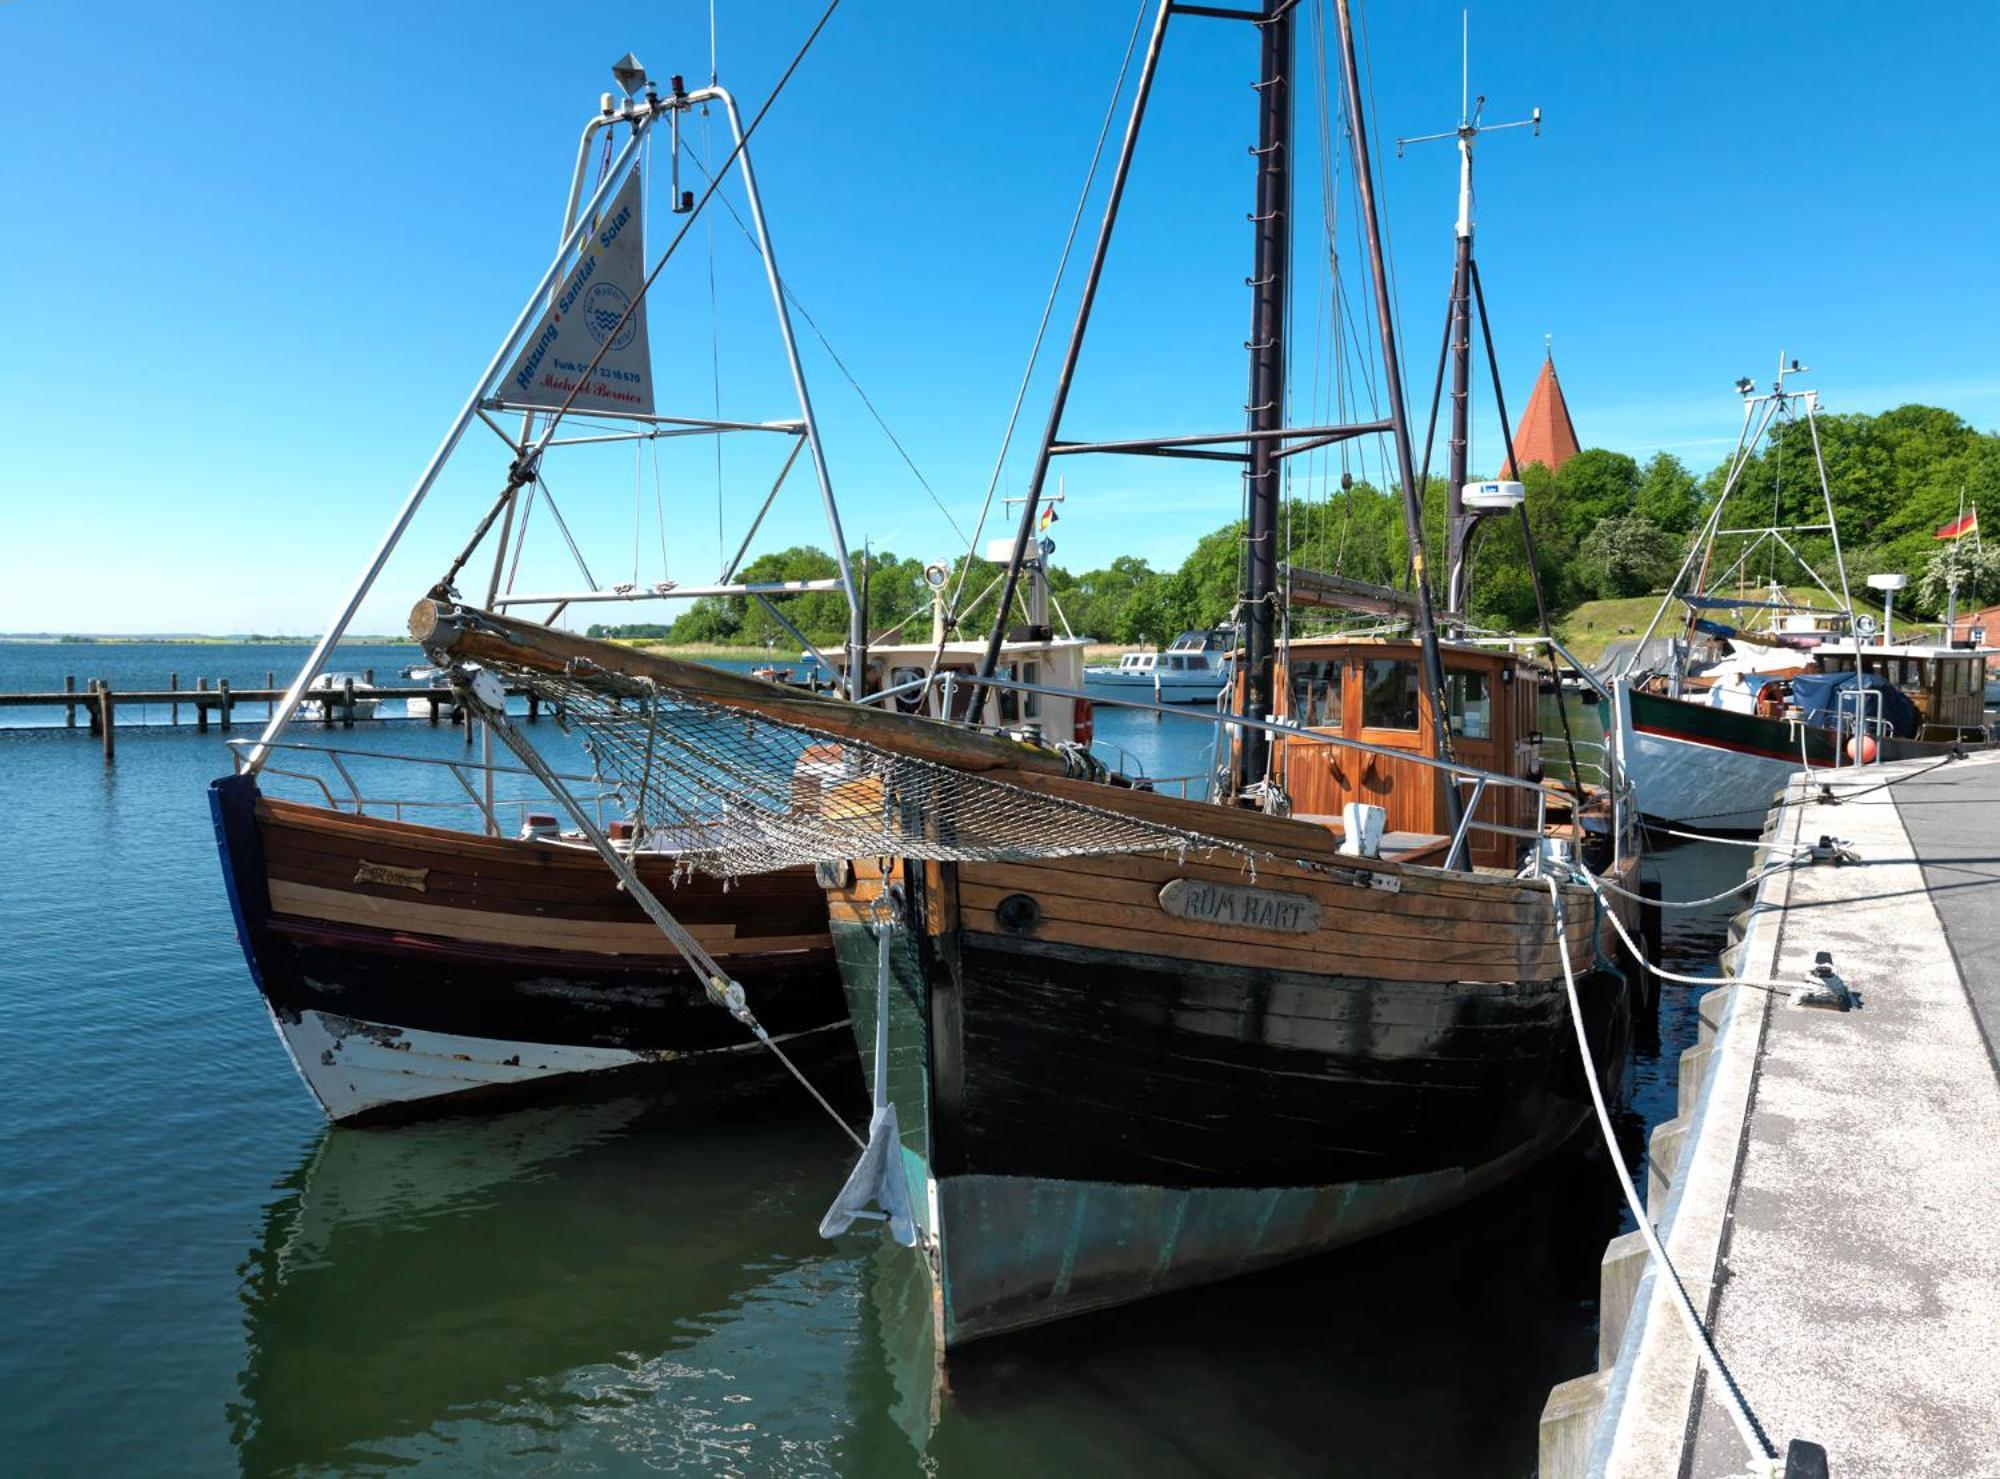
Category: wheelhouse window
<point>1316,694</point>
<point>1471,703</point>
<point>1389,693</point>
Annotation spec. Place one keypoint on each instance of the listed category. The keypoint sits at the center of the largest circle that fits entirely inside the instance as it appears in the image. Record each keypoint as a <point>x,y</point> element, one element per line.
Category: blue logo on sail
<point>605,308</point>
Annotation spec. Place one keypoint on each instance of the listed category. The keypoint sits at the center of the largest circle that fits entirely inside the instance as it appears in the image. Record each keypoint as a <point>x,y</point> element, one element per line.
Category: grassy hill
<point>1588,629</point>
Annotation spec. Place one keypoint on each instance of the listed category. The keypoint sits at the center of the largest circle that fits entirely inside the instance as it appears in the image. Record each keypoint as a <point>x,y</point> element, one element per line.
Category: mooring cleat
<point>1829,992</point>
<point>1834,850</point>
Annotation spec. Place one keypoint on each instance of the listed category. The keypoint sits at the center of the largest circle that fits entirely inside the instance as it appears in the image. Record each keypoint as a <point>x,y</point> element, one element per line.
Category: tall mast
<point>1268,295</point>
<point>1459,523</point>
<point>1392,373</point>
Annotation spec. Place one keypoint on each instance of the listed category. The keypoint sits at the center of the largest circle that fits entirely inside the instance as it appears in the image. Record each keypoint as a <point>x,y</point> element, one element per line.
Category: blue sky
<point>255,254</point>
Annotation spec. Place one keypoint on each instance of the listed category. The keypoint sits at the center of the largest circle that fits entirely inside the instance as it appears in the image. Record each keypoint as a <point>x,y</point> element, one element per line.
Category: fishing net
<point>735,792</point>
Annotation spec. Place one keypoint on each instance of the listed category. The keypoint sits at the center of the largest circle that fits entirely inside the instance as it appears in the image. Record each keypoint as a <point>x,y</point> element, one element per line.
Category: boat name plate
<point>391,875</point>
<point>1240,907</point>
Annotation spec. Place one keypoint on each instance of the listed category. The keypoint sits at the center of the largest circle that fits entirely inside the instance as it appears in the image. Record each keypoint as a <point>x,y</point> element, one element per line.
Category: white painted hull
<point>356,1068</point>
<point>1179,689</point>
<point>1679,780</point>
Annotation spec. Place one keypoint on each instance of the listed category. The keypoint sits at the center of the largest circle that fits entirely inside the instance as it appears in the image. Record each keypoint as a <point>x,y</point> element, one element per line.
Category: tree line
<point>1604,526</point>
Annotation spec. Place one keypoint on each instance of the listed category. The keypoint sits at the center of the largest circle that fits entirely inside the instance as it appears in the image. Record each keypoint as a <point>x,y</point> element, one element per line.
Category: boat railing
<point>1455,773</point>
<point>1596,684</point>
<point>358,800</point>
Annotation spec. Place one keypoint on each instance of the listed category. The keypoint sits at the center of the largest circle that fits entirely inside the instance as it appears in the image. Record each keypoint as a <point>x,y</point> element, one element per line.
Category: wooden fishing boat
<point>409,967</point>
<point>1118,1076</point>
<point>1119,1073</point>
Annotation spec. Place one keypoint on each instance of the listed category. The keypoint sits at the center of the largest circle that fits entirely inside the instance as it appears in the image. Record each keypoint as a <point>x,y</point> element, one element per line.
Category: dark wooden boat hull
<point>410,968</point>
<point>1089,1122</point>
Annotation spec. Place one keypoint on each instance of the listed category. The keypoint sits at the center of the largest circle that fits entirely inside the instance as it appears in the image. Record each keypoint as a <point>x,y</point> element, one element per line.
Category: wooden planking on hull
<point>495,888</point>
<point>488,926</point>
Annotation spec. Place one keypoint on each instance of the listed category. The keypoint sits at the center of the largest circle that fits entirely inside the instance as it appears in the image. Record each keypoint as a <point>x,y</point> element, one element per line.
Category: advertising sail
<point>598,303</point>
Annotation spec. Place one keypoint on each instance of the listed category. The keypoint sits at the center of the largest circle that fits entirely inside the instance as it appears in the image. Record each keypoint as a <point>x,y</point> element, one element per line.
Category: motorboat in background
<point>333,691</point>
<point>1196,668</point>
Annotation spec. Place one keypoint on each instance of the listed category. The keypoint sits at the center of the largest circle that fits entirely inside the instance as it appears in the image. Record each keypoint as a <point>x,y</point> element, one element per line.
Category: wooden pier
<point>218,704</point>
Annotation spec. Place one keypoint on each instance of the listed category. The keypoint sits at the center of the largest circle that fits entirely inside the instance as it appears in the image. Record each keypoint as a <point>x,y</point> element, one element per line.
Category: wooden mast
<point>1266,408</point>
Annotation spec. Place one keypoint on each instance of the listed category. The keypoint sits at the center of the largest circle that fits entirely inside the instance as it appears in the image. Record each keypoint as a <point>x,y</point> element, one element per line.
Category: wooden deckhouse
<point>1371,689</point>
<point>1946,686</point>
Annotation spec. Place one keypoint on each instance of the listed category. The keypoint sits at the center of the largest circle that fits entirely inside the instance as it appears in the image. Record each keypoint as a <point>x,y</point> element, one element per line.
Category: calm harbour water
<point>197,1274</point>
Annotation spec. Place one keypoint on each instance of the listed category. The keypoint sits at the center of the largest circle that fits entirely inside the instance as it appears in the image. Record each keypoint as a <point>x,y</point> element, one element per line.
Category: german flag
<point>1963,524</point>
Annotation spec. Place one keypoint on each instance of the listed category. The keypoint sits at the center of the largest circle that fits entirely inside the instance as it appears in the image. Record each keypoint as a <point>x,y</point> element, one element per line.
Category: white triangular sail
<point>589,305</point>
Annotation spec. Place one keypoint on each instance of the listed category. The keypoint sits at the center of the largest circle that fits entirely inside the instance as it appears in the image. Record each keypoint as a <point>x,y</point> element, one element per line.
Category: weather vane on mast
<point>1458,337</point>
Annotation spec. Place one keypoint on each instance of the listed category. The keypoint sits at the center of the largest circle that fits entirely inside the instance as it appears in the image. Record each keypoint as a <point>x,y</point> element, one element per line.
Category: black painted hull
<point>386,1021</point>
<point>1088,1127</point>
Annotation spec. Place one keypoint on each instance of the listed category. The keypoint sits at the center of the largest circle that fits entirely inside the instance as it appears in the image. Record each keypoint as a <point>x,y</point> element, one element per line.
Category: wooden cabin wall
<point>1320,778</point>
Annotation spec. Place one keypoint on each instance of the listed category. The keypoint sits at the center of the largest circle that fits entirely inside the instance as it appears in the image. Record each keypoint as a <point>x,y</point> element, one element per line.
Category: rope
<point>1675,977</point>
<point>1740,1414</point>
<point>723,991</point>
<point>1751,881</point>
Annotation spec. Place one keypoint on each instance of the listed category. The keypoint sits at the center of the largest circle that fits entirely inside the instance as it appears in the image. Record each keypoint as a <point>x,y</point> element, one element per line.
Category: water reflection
<point>637,1276</point>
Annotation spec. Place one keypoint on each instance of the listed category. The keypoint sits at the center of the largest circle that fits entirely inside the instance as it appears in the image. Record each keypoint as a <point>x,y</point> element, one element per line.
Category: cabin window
<point>1471,705</point>
<point>1978,676</point>
<point>1832,663</point>
<point>1010,699</point>
<point>1914,675</point>
<point>1389,693</point>
<point>1316,694</point>
<point>1031,703</point>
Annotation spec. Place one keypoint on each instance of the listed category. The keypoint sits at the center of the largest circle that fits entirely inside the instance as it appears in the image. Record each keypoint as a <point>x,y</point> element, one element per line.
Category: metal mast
<point>1458,334</point>
<point>1268,301</point>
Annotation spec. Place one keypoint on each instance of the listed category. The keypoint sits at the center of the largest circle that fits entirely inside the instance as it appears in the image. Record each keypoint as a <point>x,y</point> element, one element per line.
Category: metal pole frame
<point>315,661</point>
<point>857,623</point>
<point>1030,506</point>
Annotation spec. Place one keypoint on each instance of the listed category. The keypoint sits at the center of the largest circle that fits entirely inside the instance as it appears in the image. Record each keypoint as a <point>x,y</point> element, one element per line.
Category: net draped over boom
<point>734,792</point>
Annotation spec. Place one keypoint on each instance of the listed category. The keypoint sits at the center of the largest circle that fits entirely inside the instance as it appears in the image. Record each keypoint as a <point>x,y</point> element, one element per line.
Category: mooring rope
<point>1751,882</point>
<point>1766,983</point>
<point>1736,1404</point>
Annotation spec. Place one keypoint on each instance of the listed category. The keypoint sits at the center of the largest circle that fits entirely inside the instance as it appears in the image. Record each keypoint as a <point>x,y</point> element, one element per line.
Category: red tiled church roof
<point>1545,434</point>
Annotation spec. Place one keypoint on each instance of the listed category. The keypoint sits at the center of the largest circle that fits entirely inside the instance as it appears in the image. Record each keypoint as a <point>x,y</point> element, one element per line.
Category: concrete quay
<point>1830,1191</point>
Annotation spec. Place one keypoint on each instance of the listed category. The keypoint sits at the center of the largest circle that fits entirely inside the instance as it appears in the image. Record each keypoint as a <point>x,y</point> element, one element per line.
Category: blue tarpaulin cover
<point>1818,695</point>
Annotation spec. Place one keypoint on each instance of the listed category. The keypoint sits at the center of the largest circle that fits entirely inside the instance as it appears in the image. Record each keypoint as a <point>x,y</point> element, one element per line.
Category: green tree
<point>1977,570</point>
<point>1668,494</point>
<point>1627,555</point>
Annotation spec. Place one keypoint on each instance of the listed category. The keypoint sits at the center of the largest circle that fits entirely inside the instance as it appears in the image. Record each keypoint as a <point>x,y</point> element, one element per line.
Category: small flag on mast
<point>1048,515</point>
<point>1963,524</point>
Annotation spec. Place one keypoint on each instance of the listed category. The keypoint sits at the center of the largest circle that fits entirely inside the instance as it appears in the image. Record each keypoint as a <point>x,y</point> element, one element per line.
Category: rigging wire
<point>1048,309</point>
<point>841,365</point>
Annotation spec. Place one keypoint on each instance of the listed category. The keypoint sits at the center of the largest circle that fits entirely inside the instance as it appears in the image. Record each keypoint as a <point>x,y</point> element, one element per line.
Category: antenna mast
<point>1458,334</point>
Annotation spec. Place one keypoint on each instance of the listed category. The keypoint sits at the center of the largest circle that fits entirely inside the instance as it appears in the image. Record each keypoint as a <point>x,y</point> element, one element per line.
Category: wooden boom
<point>464,633</point>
